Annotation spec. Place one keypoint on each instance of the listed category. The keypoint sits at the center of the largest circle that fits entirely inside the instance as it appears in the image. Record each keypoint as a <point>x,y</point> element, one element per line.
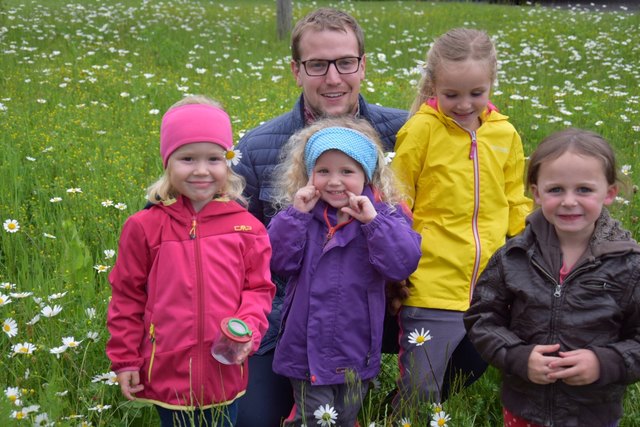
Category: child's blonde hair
<point>291,174</point>
<point>162,190</point>
<point>456,45</point>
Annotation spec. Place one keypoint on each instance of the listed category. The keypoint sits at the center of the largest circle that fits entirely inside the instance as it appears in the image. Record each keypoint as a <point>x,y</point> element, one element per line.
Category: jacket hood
<point>490,113</point>
<point>608,238</point>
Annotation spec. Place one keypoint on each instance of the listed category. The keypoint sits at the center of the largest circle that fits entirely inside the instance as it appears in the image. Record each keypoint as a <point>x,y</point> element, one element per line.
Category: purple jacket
<point>335,299</point>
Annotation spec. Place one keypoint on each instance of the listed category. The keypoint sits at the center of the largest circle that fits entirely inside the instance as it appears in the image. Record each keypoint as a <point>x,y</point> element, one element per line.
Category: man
<point>328,63</point>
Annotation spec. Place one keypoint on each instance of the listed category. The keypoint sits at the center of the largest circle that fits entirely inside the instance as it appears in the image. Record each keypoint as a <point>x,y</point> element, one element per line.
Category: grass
<point>82,91</point>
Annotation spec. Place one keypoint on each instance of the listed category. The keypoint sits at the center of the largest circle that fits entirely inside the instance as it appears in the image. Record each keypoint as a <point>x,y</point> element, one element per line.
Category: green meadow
<point>84,84</point>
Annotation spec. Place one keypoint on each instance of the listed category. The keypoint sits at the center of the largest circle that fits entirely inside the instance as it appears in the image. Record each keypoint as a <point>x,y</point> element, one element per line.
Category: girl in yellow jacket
<point>462,164</point>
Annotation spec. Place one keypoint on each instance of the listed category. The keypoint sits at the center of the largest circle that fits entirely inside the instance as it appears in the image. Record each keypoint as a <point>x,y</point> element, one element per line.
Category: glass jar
<point>233,336</point>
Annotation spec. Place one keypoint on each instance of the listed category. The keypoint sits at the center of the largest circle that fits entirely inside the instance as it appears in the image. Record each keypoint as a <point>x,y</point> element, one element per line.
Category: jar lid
<point>236,329</point>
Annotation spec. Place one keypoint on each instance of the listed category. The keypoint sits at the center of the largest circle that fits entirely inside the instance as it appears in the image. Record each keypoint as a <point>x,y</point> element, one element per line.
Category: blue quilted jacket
<point>260,150</point>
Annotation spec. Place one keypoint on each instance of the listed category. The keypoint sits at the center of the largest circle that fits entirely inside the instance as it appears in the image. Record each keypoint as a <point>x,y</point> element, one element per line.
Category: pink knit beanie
<point>194,123</point>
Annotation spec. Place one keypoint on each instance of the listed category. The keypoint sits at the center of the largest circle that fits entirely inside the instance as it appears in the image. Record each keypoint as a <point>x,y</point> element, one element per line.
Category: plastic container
<point>234,334</point>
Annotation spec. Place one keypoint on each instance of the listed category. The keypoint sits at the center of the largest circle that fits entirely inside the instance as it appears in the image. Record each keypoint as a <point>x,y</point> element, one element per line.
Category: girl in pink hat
<point>193,259</point>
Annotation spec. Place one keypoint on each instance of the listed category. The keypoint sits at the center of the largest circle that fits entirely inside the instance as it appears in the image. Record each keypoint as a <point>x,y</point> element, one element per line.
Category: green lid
<point>238,328</point>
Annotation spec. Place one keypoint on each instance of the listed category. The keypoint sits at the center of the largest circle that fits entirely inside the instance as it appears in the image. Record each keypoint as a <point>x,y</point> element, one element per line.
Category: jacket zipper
<point>473,155</point>
<point>197,389</point>
<point>557,293</point>
<point>152,338</point>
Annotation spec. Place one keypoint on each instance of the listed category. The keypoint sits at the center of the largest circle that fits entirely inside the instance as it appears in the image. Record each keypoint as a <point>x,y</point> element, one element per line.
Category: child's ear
<point>612,192</point>
<point>535,193</point>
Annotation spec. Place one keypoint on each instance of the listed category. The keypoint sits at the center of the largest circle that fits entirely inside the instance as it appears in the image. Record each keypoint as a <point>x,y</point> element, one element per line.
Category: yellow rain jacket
<point>466,191</point>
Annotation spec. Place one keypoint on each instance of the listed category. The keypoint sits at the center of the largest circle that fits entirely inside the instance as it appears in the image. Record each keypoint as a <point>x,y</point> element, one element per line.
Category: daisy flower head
<point>101,268</point>
<point>11,226</point>
<point>326,415</point>
<point>440,419</point>
<point>109,253</point>
<point>109,378</point>
<point>70,342</point>
<point>99,407</point>
<point>42,420</point>
<point>74,190</point>
<point>24,348</point>
<point>13,394</point>
<point>388,156</point>
<point>4,300</point>
<point>107,203</point>
<point>93,336</point>
<point>419,338</point>
<point>10,327</point>
<point>34,320</point>
<point>20,295</point>
<point>56,296</point>
<point>436,407</point>
<point>404,422</point>
<point>58,350</point>
<point>90,312</point>
<point>7,286</point>
<point>49,311</point>
<point>233,157</point>
<point>55,199</point>
<point>120,206</point>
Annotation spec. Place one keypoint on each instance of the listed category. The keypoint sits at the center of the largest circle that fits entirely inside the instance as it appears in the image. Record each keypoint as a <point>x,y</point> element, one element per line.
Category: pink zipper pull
<point>474,146</point>
<point>192,232</point>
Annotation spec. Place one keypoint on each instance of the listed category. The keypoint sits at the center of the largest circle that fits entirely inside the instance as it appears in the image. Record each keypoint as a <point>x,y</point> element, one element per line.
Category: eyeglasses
<point>320,67</point>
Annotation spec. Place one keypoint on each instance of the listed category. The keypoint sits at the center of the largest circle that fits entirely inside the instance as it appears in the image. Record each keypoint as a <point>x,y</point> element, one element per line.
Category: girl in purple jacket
<point>341,235</point>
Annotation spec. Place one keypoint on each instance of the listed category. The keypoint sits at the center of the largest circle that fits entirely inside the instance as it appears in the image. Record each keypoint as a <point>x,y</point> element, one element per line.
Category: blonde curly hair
<point>291,174</point>
<point>163,191</point>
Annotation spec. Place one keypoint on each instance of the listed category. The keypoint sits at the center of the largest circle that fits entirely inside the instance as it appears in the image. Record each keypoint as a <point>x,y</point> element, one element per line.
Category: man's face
<point>333,94</point>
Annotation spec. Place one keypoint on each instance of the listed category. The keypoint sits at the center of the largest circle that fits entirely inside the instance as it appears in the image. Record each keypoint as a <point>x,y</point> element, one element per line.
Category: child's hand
<point>243,353</point>
<point>360,208</point>
<point>130,383</point>
<point>306,197</point>
<point>538,367</point>
<point>396,293</point>
<point>579,367</point>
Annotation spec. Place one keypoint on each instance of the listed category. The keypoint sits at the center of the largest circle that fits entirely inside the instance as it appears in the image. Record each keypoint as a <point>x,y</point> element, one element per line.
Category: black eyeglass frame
<point>329,62</point>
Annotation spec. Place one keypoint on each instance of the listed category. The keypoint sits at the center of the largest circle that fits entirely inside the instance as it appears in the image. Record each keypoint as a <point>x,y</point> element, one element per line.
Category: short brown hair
<point>578,141</point>
<point>325,19</point>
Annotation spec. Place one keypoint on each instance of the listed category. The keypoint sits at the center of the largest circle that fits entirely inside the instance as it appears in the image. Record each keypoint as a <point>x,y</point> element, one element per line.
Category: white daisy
<point>56,296</point>
<point>34,320</point>
<point>91,312</point>
<point>109,253</point>
<point>404,422</point>
<point>100,408</point>
<point>19,295</point>
<point>419,338</point>
<point>11,226</point>
<point>48,311</point>
<point>440,419</point>
<point>24,348</point>
<point>13,394</point>
<point>326,415</point>
<point>233,157</point>
<point>58,350</point>
<point>4,300</point>
<point>8,286</point>
<point>10,327</point>
<point>93,336</point>
<point>101,268</point>
<point>70,342</point>
<point>120,206</point>
<point>107,203</point>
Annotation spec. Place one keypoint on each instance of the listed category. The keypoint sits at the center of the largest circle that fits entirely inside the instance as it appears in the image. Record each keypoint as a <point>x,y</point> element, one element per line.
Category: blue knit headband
<point>351,142</point>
